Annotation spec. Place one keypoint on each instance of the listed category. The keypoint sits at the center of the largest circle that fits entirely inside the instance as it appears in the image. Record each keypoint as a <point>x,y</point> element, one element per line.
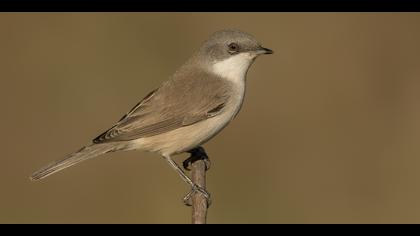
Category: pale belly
<point>189,137</point>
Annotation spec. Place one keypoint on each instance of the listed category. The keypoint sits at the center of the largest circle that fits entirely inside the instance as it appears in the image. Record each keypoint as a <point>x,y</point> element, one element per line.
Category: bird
<point>203,96</point>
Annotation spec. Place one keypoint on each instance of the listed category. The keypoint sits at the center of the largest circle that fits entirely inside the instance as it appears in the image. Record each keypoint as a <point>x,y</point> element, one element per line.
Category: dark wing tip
<point>108,135</point>
<point>102,137</point>
<point>111,133</point>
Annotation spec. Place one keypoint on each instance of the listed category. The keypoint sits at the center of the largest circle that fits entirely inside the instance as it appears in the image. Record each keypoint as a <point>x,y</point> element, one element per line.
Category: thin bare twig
<point>199,202</point>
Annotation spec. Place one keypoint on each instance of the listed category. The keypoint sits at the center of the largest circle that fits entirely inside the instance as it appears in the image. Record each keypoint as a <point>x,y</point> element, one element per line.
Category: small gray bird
<point>197,102</point>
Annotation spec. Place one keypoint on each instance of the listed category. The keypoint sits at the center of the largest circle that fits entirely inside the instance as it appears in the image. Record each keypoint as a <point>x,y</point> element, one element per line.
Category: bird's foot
<point>197,189</point>
<point>196,154</point>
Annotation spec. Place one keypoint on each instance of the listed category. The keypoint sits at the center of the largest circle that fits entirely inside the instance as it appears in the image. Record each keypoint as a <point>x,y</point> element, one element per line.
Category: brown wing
<point>184,100</point>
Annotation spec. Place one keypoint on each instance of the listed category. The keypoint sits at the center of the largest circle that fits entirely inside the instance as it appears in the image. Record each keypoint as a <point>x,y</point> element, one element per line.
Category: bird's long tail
<point>84,153</point>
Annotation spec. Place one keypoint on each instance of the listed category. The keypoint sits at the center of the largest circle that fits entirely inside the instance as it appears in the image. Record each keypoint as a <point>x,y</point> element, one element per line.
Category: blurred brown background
<point>329,131</point>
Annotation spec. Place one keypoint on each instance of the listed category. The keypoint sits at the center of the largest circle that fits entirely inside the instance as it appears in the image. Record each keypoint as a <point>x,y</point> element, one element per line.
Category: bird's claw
<point>197,154</point>
<point>197,189</point>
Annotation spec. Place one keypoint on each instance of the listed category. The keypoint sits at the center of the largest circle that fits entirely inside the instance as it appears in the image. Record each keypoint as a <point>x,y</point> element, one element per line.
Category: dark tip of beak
<point>266,51</point>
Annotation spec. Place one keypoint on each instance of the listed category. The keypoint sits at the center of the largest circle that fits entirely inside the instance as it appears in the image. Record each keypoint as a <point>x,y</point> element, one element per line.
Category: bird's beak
<point>262,50</point>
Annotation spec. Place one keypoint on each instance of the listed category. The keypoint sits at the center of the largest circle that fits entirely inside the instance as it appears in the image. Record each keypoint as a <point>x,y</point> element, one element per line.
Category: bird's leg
<point>197,153</point>
<point>194,187</point>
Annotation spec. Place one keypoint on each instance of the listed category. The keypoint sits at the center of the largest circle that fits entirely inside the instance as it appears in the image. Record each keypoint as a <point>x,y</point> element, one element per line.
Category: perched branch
<point>199,202</point>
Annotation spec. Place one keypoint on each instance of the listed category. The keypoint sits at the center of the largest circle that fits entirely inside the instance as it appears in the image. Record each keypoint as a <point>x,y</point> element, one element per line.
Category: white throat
<point>235,67</point>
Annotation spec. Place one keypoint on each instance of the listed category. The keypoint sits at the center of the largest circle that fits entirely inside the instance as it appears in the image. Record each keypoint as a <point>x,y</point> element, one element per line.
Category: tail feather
<point>84,153</point>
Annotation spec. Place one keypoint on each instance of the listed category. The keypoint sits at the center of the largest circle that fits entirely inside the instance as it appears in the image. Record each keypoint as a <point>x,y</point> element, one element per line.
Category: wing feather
<point>184,100</point>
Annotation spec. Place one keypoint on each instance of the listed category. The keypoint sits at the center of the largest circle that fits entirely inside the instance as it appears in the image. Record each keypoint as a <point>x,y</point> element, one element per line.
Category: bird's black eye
<point>233,48</point>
